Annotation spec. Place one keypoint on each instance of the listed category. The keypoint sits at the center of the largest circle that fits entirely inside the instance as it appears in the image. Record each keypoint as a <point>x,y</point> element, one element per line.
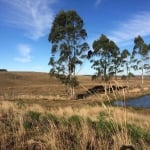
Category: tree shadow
<point>99,89</point>
<point>127,147</point>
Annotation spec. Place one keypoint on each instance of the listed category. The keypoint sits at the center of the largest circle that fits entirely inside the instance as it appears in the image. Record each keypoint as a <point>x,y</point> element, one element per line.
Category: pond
<point>141,102</point>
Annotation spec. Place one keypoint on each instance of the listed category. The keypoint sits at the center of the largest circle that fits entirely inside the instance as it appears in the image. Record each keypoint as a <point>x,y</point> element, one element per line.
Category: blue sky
<point>25,25</point>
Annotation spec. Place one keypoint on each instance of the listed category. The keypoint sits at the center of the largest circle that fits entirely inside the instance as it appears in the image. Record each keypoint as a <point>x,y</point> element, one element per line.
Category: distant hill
<point>29,83</point>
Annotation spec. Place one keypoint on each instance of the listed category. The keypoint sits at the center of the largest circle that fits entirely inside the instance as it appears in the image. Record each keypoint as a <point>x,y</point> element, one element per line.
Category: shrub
<point>34,115</point>
<point>136,133</point>
<point>75,120</point>
<point>105,128</point>
<point>27,125</point>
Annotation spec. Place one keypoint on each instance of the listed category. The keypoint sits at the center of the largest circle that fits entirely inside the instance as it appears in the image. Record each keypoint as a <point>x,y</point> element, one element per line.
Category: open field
<point>33,85</point>
<point>35,114</point>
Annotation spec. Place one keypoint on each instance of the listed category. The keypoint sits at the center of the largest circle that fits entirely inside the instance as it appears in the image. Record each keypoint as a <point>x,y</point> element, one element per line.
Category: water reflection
<point>141,102</point>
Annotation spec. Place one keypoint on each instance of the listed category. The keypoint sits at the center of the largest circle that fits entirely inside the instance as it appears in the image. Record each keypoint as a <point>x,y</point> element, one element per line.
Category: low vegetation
<point>88,127</point>
<point>43,118</point>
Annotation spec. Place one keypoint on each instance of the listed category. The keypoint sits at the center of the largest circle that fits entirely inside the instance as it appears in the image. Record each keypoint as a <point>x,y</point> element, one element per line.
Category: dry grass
<point>33,127</point>
<point>34,85</point>
<point>38,115</point>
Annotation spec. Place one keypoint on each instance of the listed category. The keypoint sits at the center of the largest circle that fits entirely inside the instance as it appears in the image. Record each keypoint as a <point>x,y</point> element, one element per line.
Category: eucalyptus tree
<point>67,36</point>
<point>125,60</point>
<point>103,58</point>
<point>141,49</point>
<point>116,61</point>
<point>148,62</point>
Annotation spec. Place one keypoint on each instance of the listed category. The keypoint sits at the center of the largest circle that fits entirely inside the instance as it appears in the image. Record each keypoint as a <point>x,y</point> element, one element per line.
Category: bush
<point>75,120</point>
<point>136,133</point>
<point>105,128</point>
<point>27,125</point>
<point>34,115</point>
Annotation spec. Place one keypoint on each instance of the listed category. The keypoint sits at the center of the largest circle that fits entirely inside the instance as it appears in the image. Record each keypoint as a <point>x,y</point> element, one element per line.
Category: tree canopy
<point>105,57</point>
<point>67,36</point>
<point>142,50</point>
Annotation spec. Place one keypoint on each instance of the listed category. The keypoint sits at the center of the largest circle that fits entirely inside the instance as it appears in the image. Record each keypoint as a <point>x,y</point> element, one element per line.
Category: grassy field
<point>35,114</point>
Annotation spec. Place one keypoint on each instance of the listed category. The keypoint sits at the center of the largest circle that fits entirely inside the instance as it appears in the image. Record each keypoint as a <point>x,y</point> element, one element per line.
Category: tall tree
<point>141,48</point>
<point>67,36</point>
<point>104,52</point>
<point>125,60</point>
<point>116,60</point>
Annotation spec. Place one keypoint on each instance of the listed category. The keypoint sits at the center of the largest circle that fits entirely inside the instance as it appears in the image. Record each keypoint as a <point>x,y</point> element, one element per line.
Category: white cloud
<point>139,24</point>
<point>98,2</point>
<point>24,53</point>
<point>34,16</point>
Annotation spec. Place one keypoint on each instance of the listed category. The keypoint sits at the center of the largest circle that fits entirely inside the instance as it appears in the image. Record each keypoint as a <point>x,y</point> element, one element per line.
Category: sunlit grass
<point>87,127</point>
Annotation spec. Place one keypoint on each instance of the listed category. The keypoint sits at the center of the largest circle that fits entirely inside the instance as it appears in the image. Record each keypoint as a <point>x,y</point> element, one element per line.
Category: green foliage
<point>136,133</point>
<point>67,36</point>
<point>141,50</point>
<point>126,61</point>
<point>75,120</point>
<point>34,115</point>
<point>27,124</point>
<point>104,127</point>
<point>105,58</point>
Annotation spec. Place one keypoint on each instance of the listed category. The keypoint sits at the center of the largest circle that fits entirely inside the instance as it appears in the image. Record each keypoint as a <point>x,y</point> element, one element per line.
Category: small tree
<point>116,61</point>
<point>141,49</point>
<point>67,36</point>
<point>103,58</point>
<point>126,61</point>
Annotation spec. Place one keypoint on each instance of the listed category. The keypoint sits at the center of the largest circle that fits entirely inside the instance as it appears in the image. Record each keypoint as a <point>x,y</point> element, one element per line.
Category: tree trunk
<point>105,88</point>
<point>142,78</point>
<point>127,74</point>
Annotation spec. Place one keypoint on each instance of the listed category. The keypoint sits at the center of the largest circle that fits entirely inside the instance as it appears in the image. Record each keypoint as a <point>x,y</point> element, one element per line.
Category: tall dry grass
<point>89,127</point>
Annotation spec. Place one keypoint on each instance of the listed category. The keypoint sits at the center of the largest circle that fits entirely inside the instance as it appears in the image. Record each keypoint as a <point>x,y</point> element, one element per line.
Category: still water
<point>141,102</point>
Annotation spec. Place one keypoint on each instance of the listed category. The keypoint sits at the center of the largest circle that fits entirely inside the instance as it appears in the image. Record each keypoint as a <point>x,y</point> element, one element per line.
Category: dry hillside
<point>36,85</point>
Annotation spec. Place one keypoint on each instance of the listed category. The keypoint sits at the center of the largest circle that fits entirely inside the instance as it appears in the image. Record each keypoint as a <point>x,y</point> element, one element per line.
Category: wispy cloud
<point>138,24</point>
<point>34,16</point>
<point>24,51</point>
<point>97,2</point>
